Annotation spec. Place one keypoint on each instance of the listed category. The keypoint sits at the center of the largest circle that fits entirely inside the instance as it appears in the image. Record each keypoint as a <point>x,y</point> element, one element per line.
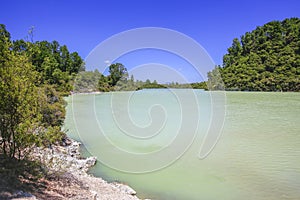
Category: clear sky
<point>82,25</point>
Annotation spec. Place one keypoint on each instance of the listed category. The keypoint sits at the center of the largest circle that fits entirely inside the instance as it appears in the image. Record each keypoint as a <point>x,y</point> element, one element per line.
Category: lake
<point>152,140</point>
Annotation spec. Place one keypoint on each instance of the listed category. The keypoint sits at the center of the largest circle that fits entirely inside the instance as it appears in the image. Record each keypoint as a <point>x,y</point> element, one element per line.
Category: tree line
<point>119,80</point>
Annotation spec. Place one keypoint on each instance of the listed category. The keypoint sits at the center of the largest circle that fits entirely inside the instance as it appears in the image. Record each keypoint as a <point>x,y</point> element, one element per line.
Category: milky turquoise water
<point>160,132</point>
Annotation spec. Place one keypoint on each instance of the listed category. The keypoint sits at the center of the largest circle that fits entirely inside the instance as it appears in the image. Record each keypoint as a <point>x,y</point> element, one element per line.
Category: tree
<point>103,84</point>
<point>117,72</point>
<point>215,80</point>
<point>19,105</point>
<point>132,78</point>
<point>76,64</point>
<point>87,81</point>
<point>148,82</point>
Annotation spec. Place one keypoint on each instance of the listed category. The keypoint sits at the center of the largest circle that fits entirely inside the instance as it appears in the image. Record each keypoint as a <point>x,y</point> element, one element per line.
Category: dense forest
<point>266,59</point>
<point>33,78</point>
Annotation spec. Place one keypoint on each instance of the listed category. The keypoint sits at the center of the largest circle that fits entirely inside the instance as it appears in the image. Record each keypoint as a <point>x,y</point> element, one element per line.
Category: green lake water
<point>151,140</point>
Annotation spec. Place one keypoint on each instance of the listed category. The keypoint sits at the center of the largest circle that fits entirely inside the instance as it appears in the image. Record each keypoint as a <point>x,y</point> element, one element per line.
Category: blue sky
<point>82,25</point>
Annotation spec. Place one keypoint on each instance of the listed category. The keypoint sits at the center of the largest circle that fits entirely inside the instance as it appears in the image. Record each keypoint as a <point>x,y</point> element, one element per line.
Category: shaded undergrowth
<point>19,178</point>
<point>19,175</point>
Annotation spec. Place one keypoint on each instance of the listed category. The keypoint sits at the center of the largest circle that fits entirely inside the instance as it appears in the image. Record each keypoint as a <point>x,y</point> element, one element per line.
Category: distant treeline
<point>118,80</point>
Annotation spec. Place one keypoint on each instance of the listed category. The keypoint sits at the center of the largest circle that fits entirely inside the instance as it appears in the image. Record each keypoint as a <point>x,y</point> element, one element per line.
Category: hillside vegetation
<point>265,59</point>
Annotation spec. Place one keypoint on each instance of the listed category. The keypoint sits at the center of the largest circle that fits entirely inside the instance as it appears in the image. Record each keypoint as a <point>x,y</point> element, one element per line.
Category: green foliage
<point>215,80</point>
<point>117,73</point>
<point>4,38</point>
<point>121,82</point>
<point>104,84</point>
<point>55,63</point>
<point>87,81</point>
<point>19,108</point>
<point>149,85</point>
<point>49,136</point>
<point>52,106</point>
<point>33,78</point>
<point>200,85</point>
<point>116,80</point>
<point>266,59</point>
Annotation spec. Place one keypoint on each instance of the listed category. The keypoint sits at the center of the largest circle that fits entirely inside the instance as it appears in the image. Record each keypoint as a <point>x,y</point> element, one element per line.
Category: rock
<point>66,141</point>
<point>22,194</point>
<point>90,161</point>
<point>94,194</point>
<point>74,149</point>
<point>85,164</point>
<point>125,189</point>
<point>64,158</point>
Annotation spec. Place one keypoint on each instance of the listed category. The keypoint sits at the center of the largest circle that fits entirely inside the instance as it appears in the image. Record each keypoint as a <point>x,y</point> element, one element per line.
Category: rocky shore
<point>68,177</point>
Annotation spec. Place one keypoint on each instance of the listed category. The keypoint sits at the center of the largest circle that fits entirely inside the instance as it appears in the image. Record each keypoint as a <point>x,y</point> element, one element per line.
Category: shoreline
<point>94,187</point>
<point>85,93</point>
<point>68,177</point>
